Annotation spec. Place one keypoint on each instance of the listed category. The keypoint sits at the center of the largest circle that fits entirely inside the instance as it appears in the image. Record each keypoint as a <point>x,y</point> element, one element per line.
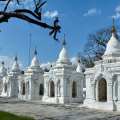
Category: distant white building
<point>10,80</point>
<point>103,80</point>
<point>31,83</point>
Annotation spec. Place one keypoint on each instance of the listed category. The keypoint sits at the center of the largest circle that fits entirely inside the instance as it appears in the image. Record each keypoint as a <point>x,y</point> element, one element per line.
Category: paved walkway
<point>42,111</point>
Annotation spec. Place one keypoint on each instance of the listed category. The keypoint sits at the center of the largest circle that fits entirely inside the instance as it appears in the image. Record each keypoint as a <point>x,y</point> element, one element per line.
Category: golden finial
<point>113,26</point>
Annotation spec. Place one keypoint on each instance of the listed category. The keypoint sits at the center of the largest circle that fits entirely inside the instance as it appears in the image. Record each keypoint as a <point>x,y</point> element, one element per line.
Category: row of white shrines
<point>63,84</point>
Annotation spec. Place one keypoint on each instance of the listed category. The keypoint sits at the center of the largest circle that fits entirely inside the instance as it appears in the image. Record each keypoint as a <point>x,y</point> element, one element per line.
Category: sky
<point>78,18</point>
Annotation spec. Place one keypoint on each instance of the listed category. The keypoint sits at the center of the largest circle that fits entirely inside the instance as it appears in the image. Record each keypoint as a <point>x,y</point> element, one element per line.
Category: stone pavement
<point>42,111</point>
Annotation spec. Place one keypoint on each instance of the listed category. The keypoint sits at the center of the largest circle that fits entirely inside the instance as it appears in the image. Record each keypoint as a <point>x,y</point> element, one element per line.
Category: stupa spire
<point>113,26</point>
<point>78,58</point>
<point>3,70</point>
<point>35,51</point>
<point>16,58</point>
<point>64,41</point>
<point>15,66</point>
<point>79,66</point>
<point>35,61</point>
<point>63,56</point>
<point>113,45</point>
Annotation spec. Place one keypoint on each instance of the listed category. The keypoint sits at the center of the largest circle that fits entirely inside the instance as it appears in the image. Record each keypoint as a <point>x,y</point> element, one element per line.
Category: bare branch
<point>8,2</point>
<point>29,12</point>
<point>7,5</point>
<point>8,15</point>
<point>38,7</point>
<point>31,16</point>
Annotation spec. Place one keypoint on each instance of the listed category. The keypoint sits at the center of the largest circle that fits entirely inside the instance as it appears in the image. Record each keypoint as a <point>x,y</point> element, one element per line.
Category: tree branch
<point>7,5</point>
<point>29,12</point>
<point>7,15</point>
<point>31,16</point>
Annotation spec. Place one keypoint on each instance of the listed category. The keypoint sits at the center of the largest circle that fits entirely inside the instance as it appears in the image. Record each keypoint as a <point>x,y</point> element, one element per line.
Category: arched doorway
<point>5,87</point>
<point>41,89</point>
<point>102,90</point>
<point>74,89</point>
<point>52,89</point>
<point>23,88</point>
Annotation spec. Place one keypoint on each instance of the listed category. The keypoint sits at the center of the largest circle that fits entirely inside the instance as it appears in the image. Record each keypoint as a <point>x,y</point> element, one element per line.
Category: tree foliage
<point>19,9</point>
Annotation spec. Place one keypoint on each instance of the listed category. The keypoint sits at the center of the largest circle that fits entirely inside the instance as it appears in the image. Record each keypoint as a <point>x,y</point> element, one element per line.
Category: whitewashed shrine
<point>9,80</point>
<point>103,80</point>
<point>62,83</point>
<point>31,84</point>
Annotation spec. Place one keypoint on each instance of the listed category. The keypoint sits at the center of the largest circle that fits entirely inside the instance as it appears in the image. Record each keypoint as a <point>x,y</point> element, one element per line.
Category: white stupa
<point>113,45</point>
<point>15,66</point>
<point>79,67</point>
<point>35,64</point>
<point>33,80</point>
<point>63,56</point>
<point>63,84</point>
<point>35,60</point>
<point>102,80</point>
